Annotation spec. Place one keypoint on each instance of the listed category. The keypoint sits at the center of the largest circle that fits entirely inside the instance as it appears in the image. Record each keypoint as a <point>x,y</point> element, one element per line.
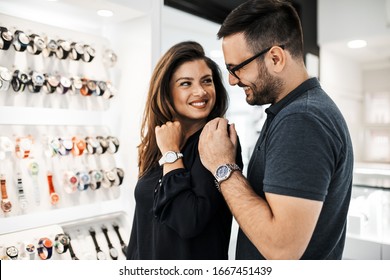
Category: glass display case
<point>368,231</point>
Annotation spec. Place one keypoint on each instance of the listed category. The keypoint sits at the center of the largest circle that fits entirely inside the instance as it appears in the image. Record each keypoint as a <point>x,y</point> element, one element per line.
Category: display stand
<point>47,117</point>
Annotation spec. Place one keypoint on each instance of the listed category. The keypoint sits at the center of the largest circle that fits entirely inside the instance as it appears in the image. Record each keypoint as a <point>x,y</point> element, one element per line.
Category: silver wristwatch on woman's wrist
<point>170,157</point>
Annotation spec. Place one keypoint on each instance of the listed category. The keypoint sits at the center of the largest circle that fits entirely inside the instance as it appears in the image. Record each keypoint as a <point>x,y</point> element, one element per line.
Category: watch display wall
<point>43,168</point>
<point>69,241</point>
<point>49,111</point>
<point>54,68</point>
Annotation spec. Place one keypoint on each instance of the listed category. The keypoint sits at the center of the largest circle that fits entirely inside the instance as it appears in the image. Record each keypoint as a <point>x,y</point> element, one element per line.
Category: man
<point>294,202</point>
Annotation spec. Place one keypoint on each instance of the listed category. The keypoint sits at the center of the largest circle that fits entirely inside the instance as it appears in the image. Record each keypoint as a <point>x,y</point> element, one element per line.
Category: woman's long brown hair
<point>159,105</point>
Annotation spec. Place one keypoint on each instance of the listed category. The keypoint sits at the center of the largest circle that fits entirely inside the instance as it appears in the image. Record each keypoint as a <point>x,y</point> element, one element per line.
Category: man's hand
<point>217,145</point>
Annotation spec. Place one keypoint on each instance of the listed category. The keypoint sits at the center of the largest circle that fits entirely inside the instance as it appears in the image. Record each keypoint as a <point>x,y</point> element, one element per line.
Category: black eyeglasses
<point>233,70</point>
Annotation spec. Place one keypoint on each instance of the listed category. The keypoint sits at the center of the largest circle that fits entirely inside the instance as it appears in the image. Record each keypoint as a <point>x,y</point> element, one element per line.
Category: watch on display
<point>79,146</point>
<point>20,80</point>
<point>84,88</point>
<point>84,180</point>
<point>89,53</point>
<point>170,157</point>
<point>224,171</point>
<point>66,146</point>
<point>63,49</point>
<point>33,169</point>
<point>51,48</point>
<point>36,82</point>
<point>61,243</point>
<point>23,147</point>
<point>76,51</point>
<point>77,84</point>
<point>100,255</point>
<point>54,197</point>
<point>6,37</point>
<point>93,145</point>
<point>20,41</point>
<point>110,92</point>
<point>123,244</point>
<point>71,251</point>
<point>109,58</point>
<point>110,178</point>
<point>91,87</point>
<point>96,179</point>
<point>6,147</point>
<point>120,174</point>
<point>5,78</point>
<point>103,143</point>
<point>102,87</point>
<point>36,44</point>
<point>112,250</point>
<point>23,202</point>
<point>71,181</point>
<point>30,250</point>
<point>6,204</point>
<point>12,252</point>
<point>51,83</point>
<point>45,248</point>
<point>113,144</point>
<point>65,84</point>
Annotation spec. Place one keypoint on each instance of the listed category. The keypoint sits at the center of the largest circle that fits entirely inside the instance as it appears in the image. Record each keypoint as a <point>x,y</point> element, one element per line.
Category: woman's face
<point>193,92</point>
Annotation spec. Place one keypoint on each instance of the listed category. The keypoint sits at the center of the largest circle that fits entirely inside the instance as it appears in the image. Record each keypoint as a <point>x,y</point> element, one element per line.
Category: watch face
<point>170,157</point>
<point>25,144</point>
<point>54,198</point>
<point>100,255</point>
<point>114,253</point>
<point>65,45</point>
<point>30,248</point>
<point>222,172</point>
<point>38,79</point>
<point>97,175</point>
<point>40,43</point>
<point>77,83</point>
<point>23,77</point>
<point>23,38</point>
<point>64,239</point>
<point>53,81</point>
<point>79,48</point>
<point>52,45</point>
<point>7,35</point>
<point>34,168</point>
<point>12,252</point>
<point>91,85</point>
<point>6,205</point>
<point>65,82</point>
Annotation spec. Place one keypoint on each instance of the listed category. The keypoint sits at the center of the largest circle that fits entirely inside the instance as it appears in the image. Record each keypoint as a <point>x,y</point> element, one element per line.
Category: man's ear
<point>278,57</point>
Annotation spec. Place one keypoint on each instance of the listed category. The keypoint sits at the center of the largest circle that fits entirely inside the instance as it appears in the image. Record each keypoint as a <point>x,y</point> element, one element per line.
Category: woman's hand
<point>169,137</point>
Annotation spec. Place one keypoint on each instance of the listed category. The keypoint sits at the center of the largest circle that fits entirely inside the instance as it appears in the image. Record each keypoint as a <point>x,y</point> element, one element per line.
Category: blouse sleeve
<point>186,200</point>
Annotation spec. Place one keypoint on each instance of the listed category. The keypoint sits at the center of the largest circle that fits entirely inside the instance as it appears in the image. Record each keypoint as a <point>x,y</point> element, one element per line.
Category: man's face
<point>259,85</point>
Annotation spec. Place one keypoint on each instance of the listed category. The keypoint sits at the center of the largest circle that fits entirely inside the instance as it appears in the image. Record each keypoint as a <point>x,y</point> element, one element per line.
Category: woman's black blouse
<point>181,215</point>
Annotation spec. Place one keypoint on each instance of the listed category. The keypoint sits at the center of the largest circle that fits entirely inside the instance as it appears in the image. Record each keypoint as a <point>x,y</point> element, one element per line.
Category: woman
<point>180,214</point>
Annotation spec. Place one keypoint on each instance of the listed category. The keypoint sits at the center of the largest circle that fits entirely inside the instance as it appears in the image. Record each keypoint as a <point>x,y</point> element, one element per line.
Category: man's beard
<point>266,88</point>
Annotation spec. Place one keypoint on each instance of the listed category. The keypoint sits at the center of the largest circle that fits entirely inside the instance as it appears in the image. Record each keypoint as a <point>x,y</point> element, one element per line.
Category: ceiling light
<point>105,13</point>
<point>357,44</point>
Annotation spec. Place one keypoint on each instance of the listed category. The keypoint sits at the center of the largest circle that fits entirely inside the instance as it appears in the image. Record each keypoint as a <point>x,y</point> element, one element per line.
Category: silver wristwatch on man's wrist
<point>224,171</point>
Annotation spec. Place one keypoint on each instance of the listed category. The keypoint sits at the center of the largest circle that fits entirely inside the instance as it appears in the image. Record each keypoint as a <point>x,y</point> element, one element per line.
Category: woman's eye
<point>208,81</point>
<point>185,84</point>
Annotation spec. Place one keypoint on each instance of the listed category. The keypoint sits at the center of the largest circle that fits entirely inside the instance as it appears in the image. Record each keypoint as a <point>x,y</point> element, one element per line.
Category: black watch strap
<point>71,251</point>
<point>123,244</point>
<point>99,253</point>
<point>113,251</point>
